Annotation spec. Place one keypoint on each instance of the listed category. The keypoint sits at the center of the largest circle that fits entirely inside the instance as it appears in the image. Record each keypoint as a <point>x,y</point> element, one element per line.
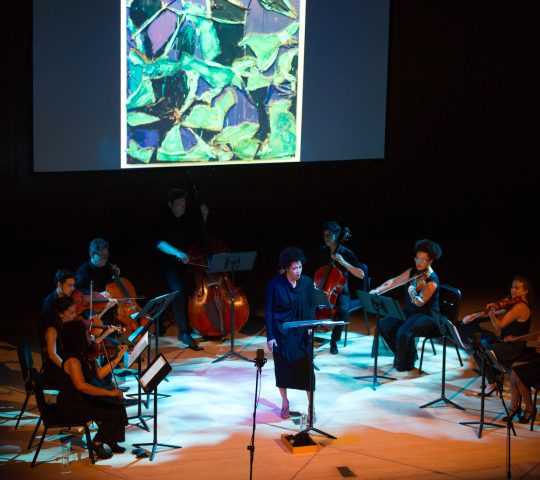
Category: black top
<point>516,328</point>
<point>321,257</point>
<point>88,272</point>
<point>432,305</point>
<point>180,232</point>
<point>49,302</point>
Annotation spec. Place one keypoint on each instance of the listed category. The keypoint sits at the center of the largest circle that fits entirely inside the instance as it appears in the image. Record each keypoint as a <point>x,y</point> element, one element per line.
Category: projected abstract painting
<point>211,81</point>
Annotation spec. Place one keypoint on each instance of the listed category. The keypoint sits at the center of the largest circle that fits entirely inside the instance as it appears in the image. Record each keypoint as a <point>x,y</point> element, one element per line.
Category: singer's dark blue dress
<point>292,355</point>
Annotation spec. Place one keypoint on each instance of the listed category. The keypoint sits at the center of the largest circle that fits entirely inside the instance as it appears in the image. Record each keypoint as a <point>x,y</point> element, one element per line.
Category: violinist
<point>511,317</point>
<point>64,286</point>
<point>422,299</point>
<point>82,399</point>
<point>346,261</point>
<point>98,272</point>
<point>63,311</point>
<point>289,297</point>
<point>176,232</point>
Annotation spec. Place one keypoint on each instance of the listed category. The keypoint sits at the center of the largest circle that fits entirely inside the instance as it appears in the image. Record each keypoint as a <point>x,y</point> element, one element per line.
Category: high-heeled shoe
<point>115,448</point>
<point>526,418</point>
<point>511,414</point>
<point>100,451</point>
<point>284,410</point>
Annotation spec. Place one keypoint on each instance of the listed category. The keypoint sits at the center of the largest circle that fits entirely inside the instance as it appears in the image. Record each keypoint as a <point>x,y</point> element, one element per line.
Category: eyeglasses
<point>422,260</point>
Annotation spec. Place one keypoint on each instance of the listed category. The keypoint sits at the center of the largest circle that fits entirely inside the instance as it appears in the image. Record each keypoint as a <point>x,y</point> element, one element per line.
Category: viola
<point>331,280</point>
<point>82,301</point>
<point>210,306</point>
<point>505,303</point>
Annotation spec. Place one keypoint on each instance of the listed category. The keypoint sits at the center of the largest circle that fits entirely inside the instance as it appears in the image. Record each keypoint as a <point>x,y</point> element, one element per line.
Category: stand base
<point>142,422</point>
<point>444,400</point>
<point>154,447</point>
<point>481,425</point>
<point>375,379</point>
<point>299,444</point>
<point>232,353</point>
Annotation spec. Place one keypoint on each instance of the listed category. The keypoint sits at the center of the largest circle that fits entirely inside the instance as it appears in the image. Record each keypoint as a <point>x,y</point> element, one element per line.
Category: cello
<point>210,306</point>
<point>331,280</point>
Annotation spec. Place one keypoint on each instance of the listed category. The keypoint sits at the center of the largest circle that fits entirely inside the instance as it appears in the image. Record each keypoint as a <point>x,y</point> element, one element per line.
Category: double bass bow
<point>331,280</point>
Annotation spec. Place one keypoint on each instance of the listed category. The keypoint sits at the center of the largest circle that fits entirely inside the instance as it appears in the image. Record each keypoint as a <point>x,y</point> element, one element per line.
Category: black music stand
<point>302,437</point>
<point>382,307</point>
<point>232,262</point>
<point>447,329</point>
<point>488,358</point>
<point>129,359</point>
<point>149,381</point>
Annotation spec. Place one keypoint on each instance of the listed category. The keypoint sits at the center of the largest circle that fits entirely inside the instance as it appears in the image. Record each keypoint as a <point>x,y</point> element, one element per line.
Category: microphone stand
<point>259,363</point>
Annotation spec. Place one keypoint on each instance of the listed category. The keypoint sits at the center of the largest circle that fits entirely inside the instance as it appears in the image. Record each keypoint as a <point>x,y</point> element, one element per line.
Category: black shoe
<point>526,418</point>
<point>115,448</point>
<point>333,348</point>
<point>511,414</point>
<point>100,452</point>
<point>189,341</point>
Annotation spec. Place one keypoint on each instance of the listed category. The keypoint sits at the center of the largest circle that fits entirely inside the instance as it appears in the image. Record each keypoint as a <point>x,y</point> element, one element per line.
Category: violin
<point>331,280</point>
<point>501,305</point>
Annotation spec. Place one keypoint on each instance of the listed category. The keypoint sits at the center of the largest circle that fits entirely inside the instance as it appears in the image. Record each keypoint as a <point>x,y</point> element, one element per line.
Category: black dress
<point>108,412</point>
<point>292,354</point>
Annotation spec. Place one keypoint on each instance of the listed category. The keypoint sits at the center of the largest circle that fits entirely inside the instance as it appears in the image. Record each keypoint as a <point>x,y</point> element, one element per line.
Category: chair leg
<point>366,321</point>
<point>458,355</point>
<point>39,447</point>
<point>432,346</point>
<point>533,417</point>
<point>23,408</point>
<point>422,355</point>
<point>89,443</point>
<point>34,434</point>
<point>346,331</point>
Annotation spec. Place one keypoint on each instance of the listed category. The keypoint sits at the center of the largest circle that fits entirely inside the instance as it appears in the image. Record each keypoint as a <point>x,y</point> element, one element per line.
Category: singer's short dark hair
<point>433,249</point>
<point>175,194</point>
<point>290,255</point>
<point>98,244</point>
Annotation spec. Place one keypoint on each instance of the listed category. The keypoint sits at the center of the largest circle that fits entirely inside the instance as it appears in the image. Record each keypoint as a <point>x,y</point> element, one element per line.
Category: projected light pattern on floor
<point>211,81</point>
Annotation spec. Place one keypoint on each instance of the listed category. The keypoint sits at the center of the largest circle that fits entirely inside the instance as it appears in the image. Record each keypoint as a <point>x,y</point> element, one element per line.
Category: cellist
<point>97,271</point>
<point>346,261</point>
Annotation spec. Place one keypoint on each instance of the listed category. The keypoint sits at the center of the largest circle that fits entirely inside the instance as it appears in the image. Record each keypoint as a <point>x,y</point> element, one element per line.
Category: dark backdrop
<point>459,168</point>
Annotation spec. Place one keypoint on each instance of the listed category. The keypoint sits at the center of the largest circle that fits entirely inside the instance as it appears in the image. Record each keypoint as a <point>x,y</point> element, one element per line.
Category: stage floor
<point>381,433</point>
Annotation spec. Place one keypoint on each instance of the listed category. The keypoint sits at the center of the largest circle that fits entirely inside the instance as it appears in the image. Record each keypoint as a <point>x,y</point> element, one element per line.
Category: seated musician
<point>65,285</point>
<point>346,261</point>
<point>508,318</point>
<point>421,301</point>
<point>80,399</point>
<point>522,379</point>
<point>97,272</point>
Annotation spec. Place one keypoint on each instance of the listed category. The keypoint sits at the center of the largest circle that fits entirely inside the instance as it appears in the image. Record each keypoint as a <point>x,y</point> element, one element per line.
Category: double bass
<point>331,280</point>
<point>210,306</point>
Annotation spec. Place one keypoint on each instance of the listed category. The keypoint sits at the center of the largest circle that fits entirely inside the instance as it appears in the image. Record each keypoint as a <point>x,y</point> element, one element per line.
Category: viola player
<point>508,318</point>
<point>422,299</point>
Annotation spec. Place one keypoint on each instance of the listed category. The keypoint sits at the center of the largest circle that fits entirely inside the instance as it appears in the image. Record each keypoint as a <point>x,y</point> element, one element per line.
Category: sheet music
<point>152,371</point>
<point>130,357</point>
<point>325,322</point>
<point>456,335</point>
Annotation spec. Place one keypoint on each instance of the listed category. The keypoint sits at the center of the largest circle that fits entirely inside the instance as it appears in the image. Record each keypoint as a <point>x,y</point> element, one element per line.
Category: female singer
<point>80,399</point>
<point>422,300</point>
<point>289,297</point>
<point>514,320</point>
<point>522,378</point>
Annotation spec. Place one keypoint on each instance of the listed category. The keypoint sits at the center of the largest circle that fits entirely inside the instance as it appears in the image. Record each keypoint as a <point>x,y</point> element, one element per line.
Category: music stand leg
<point>310,426</point>
<point>481,423</point>
<point>375,376</point>
<point>155,443</point>
<point>443,398</point>
<point>142,422</point>
<point>232,352</point>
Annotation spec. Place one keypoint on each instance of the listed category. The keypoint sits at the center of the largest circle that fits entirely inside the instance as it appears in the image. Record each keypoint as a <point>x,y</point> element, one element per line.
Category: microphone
<point>260,360</point>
